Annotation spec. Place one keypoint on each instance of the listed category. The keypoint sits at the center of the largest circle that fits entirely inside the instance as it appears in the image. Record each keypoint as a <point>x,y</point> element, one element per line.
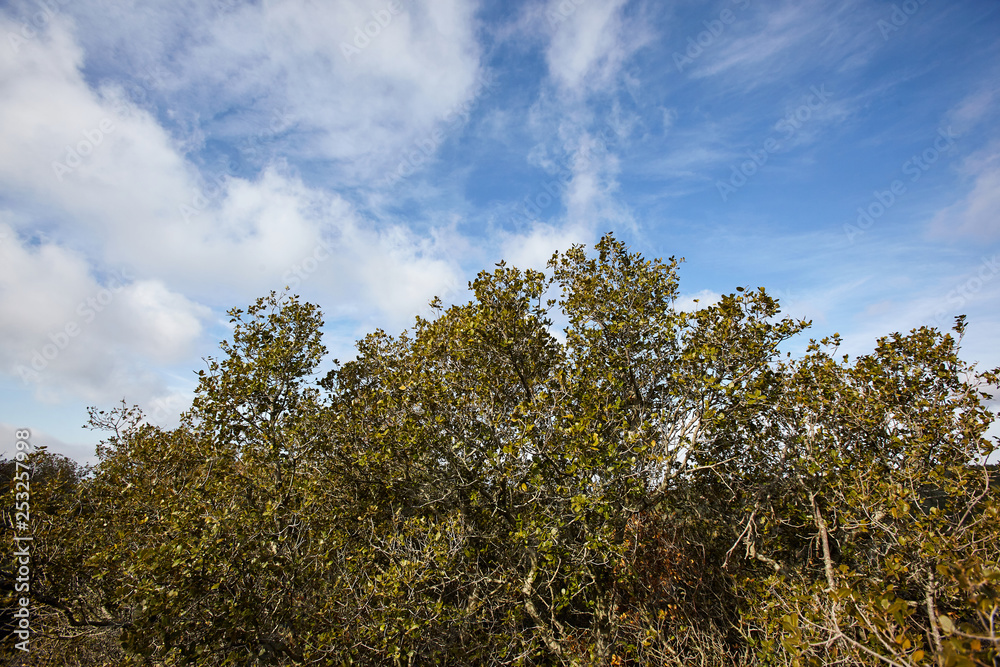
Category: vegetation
<point>655,487</point>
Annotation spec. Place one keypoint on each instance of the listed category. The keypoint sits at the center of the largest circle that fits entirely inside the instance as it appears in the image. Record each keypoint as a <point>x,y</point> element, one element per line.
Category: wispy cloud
<point>977,214</point>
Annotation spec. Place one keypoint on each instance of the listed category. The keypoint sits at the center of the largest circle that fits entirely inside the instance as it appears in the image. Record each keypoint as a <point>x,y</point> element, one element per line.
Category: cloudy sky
<point>162,162</point>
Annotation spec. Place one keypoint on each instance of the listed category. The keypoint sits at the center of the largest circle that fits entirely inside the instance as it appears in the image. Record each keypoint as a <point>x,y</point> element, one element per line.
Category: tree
<point>69,620</point>
<point>654,486</point>
<point>881,528</point>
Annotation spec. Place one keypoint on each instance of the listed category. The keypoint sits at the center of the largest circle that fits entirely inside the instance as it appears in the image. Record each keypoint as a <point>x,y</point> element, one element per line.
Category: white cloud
<point>161,324</point>
<point>400,271</point>
<point>590,42</point>
<point>116,191</point>
<point>66,333</point>
<point>669,117</point>
<point>770,42</point>
<point>977,214</point>
<point>782,28</point>
<point>688,303</point>
<point>352,81</point>
<point>591,196</point>
<point>973,109</point>
<point>587,45</point>
<point>534,248</point>
<point>136,199</point>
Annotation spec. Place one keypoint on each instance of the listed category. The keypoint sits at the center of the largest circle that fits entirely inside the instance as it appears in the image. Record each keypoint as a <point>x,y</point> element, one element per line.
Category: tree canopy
<point>649,486</point>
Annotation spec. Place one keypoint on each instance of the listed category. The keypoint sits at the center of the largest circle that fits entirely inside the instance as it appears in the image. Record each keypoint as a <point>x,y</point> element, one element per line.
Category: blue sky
<point>163,162</point>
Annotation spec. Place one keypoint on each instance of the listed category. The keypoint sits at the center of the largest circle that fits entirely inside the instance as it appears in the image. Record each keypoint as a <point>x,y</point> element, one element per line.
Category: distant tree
<point>653,486</point>
<point>69,625</point>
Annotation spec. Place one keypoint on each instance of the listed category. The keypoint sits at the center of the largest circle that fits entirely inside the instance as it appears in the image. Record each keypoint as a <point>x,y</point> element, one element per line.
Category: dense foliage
<point>652,487</point>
